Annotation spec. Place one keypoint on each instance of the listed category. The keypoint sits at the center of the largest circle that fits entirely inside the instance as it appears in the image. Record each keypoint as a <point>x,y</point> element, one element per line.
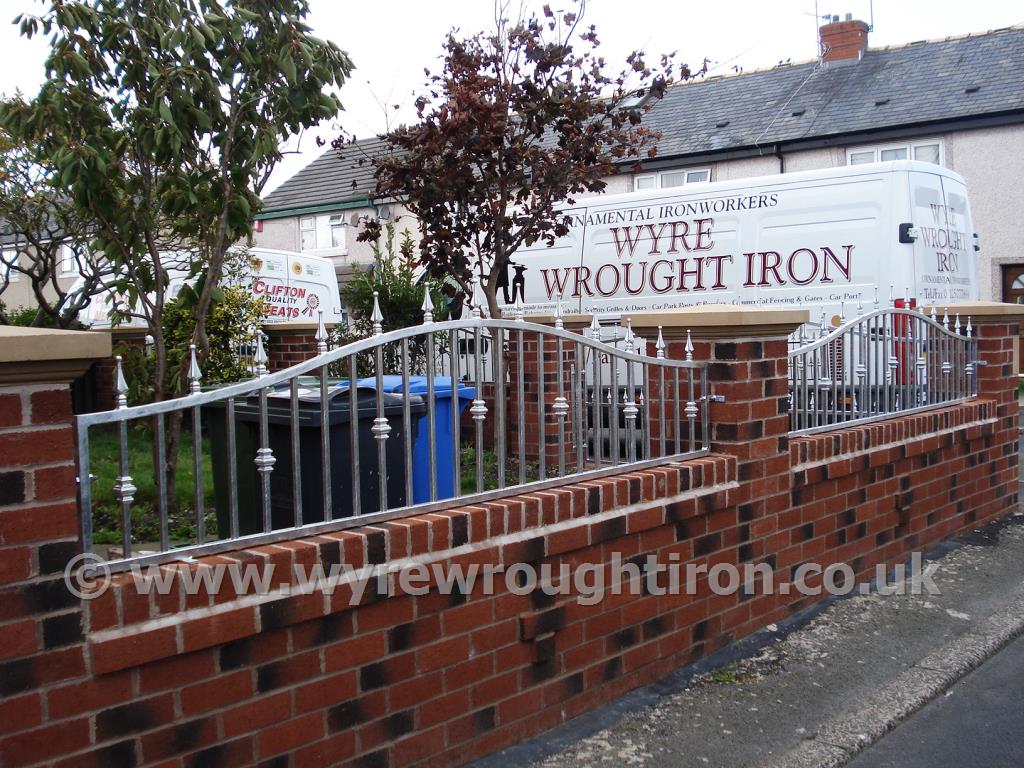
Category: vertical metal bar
<point>84,489</point>
<point>629,405</point>
<point>597,403</point>
<point>456,445</point>
<point>293,402</point>
<point>325,444</point>
<point>560,397</point>
<point>126,502</point>
<point>646,451</point>
<point>661,408</point>
<point>478,375</point>
<point>705,419</point>
<point>353,435</point>
<point>676,400</point>
<point>613,405</point>
<point>521,405</point>
<point>431,416</point>
<point>693,399</point>
<point>579,386</point>
<point>262,455</point>
<point>500,404</point>
<point>232,470</point>
<point>161,480</point>
<point>407,422</point>
<point>197,474</point>
<point>380,423</point>
<point>542,463</point>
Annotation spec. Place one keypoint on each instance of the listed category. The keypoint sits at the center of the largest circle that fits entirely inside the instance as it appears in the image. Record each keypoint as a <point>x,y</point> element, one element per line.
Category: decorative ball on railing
<point>380,429</point>
<point>478,410</point>
<point>629,409</point>
<point>560,407</point>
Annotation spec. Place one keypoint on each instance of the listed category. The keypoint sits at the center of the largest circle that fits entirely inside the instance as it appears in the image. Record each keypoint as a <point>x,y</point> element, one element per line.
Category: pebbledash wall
<point>183,680</point>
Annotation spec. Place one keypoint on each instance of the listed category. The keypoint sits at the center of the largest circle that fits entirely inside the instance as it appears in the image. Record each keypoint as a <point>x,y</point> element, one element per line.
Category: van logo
<point>297,268</point>
<point>256,263</point>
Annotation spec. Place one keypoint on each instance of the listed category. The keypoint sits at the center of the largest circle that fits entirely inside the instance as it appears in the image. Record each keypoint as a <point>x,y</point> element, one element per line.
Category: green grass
<point>468,469</point>
<point>104,458</point>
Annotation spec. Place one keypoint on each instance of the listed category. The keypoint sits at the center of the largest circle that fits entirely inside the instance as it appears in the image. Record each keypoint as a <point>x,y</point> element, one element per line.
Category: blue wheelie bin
<point>443,403</point>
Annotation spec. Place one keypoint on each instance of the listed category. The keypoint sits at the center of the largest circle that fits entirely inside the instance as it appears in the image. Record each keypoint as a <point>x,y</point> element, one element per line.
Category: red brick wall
<point>289,346</point>
<point>436,679</point>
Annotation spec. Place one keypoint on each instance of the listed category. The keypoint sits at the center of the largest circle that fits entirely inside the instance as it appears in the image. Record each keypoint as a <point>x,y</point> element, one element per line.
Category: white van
<point>295,288</point>
<point>817,239</point>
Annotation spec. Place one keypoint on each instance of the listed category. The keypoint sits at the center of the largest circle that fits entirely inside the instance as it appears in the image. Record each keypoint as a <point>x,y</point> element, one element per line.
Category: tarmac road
<point>979,723</point>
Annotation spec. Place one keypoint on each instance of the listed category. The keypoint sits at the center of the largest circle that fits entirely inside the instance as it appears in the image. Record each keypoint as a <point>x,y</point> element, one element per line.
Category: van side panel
<point>944,247</point>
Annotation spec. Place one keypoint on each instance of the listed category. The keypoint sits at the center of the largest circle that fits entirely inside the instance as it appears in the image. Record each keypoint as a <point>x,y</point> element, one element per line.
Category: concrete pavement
<point>816,695</point>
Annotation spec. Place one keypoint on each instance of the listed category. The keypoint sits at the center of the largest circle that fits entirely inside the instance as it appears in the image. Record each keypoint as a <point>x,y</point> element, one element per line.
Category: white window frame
<point>337,221</point>
<point>659,178</point>
<point>12,275</point>
<point>910,146</point>
<point>303,229</point>
<point>68,265</point>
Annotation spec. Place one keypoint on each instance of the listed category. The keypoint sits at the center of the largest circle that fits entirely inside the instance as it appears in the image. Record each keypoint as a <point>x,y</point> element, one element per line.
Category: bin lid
<point>418,385</point>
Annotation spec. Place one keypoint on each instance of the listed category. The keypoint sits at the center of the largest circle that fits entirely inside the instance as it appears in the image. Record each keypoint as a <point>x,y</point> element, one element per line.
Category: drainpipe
<point>782,158</point>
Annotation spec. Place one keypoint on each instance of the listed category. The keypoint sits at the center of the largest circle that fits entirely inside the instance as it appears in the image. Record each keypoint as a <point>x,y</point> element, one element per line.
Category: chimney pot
<point>843,40</point>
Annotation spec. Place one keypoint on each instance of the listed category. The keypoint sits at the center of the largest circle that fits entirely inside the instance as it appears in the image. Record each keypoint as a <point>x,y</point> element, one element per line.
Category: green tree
<point>163,120</point>
<point>519,120</point>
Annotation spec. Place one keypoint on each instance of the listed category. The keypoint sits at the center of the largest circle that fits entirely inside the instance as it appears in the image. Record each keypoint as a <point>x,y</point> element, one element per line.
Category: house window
<point>671,179</point>
<point>68,265</point>
<point>927,150</point>
<point>307,233</point>
<point>338,226</point>
<point>8,257</point>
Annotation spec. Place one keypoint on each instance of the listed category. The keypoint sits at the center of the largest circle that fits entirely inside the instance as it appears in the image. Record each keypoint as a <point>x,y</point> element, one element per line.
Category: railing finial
<point>860,308</point>
<point>520,316</point>
<point>628,341</point>
<point>945,318</point>
<point>933,314</point>
<point>876,297</point>
<point>428,307</point>
<point>892,300</point>
<point>595,328</point>
<point>842,312</point>
<point>120,385</point>
<point>824,324</point>
<point>478,304</point>
<point>377,317</point>
<point>659,347</point>
<point>194,374</point>
<point>558,313</point>
<point>956,325</point>
<point>321,334</point>
<point>261,358</point>
<point>970,330</point>
<point>688,349</point>
<point>906,298</point>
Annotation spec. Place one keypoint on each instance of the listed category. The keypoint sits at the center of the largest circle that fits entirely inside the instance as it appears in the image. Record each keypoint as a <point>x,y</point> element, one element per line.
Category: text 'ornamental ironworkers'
<point>642,235</point>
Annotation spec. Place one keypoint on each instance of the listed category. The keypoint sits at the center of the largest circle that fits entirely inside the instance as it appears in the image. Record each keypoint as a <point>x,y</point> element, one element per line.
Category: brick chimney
<point>843,40</point>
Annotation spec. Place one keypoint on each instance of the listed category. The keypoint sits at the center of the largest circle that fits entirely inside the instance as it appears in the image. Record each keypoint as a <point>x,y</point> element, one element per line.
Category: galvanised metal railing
<point>883,362</point>
<point>299,452</point>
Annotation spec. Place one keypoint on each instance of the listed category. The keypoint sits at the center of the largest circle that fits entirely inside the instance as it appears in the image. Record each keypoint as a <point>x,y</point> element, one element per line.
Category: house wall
<point>992,162</point>
<point>18,292</point>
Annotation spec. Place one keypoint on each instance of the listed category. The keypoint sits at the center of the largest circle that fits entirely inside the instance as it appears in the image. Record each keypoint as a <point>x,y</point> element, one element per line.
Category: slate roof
<point>967,78</point>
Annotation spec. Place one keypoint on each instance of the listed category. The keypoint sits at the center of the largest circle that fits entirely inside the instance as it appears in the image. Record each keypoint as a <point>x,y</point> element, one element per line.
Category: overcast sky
<point>391,42</point>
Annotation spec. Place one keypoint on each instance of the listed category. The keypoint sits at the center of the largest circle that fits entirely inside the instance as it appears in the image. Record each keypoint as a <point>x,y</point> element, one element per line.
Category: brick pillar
<point>289,344</point>
<point>122,340</point>
<point>997,328</point>
<point>541,369</point>
<point>41,628</point>
<point>746,349</point>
